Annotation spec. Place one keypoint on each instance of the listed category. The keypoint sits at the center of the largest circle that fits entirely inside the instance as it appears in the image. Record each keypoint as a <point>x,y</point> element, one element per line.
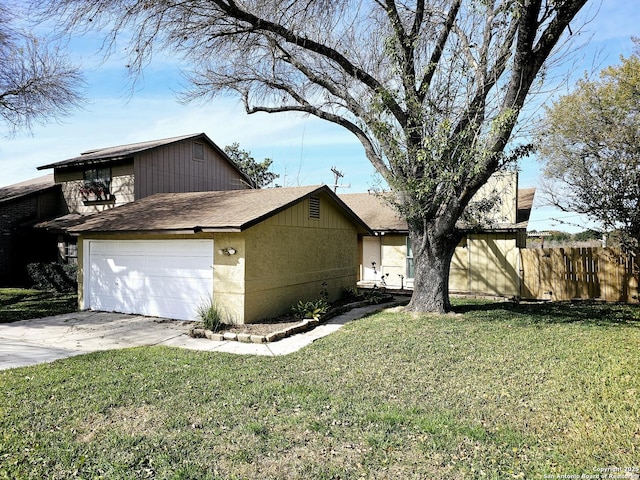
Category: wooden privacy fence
<point>587,273</point>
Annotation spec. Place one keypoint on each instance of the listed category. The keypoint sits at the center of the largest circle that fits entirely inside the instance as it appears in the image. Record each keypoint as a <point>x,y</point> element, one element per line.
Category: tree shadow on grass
<point>585,312</point>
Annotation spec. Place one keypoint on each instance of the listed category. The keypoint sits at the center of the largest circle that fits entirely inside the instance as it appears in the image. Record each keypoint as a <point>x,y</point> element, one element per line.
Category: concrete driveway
<point>29,342</point>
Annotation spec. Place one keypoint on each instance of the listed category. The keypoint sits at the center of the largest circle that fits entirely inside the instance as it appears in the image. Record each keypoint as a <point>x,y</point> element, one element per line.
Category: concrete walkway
<point>29,342</point>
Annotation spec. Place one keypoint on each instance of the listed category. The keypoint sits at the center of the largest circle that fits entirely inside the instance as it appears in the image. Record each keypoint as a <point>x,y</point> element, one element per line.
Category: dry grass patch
<point>131,421</point>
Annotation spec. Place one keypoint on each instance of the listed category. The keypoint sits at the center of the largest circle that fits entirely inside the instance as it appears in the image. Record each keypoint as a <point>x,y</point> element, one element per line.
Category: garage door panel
<point>158,270</point>
<point>175,288</point>
<point>156,277</point>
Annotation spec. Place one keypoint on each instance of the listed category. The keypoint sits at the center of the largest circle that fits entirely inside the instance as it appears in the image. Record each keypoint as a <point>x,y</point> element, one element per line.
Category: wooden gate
<point>587,273</point>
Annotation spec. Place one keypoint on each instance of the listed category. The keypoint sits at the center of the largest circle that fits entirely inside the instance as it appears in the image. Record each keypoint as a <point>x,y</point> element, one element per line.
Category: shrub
<point>311,309</point>
<point>210,315</point>
<point>375,296</point>
<point>57,277</point>
<point>351,293</point>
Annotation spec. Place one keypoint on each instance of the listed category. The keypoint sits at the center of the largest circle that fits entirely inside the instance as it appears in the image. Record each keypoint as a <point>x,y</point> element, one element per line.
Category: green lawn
<point>22,304</point>
<point>494,391</point>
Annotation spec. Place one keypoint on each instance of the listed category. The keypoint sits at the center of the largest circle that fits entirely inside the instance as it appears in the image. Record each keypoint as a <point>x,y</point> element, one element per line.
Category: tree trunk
<point>433,249</point>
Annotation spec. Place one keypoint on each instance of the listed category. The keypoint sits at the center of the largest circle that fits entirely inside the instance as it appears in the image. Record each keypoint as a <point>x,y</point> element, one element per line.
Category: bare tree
<point>37,83</point>
<point>432,89</point>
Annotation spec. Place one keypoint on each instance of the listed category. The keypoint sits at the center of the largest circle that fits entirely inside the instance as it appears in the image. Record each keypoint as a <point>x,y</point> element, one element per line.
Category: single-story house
<point>253,253</point>
<point>486,261</point>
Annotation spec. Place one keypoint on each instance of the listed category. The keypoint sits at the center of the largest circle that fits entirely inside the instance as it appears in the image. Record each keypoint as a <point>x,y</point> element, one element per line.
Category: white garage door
<point>159,278</point>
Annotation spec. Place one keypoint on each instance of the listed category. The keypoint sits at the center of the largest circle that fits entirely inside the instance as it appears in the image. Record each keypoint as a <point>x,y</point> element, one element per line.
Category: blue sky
<point>303,148</point>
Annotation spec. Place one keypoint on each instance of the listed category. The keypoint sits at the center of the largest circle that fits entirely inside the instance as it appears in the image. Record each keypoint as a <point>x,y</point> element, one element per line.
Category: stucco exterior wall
<point>289,256</point>
<point>276,263</point>
<point>481,264</point>
<point>229,275</point>
<point>393,259</point>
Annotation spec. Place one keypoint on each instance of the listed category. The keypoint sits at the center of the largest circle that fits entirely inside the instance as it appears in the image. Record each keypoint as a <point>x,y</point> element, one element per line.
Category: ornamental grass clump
<point>210,315</point>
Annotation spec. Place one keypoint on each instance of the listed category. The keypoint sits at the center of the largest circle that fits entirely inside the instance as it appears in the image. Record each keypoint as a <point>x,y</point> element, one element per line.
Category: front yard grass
<point>22,304</point>
<point>493,391</point>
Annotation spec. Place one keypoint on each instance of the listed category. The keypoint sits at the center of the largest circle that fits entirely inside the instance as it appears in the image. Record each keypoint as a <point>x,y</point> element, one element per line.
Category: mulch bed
<point>285,325</point>
<point>265,327</point>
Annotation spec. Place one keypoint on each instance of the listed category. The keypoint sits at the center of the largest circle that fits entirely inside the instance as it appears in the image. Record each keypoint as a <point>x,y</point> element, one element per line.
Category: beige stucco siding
<point>481,263</point>
<point>284,259</point>
<point>228,276</point>
<point>289,256</point>
<point>121,187</point>
<point>393,258</point>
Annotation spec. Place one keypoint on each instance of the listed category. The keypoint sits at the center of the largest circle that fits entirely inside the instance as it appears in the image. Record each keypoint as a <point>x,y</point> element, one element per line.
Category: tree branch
<point>305,107</point>
<point>438,50</point>
<point>325,51</point>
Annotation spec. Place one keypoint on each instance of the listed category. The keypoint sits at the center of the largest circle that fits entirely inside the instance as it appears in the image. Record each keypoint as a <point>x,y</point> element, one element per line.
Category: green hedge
<point>57,277</point>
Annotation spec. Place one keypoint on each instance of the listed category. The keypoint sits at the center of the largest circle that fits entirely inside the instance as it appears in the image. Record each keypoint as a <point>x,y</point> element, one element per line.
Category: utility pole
<point>338,175</point>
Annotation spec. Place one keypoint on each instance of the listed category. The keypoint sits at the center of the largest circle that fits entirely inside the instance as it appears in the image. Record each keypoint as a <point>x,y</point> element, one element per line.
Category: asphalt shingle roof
<point>117,152</point>
<point>223,211</point>
<point>375,211</point>
<point>22,189</point>
<point>380,216</point>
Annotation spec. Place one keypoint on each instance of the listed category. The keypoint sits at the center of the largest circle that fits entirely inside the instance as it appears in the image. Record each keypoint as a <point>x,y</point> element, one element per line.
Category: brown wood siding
<point>173,169</point>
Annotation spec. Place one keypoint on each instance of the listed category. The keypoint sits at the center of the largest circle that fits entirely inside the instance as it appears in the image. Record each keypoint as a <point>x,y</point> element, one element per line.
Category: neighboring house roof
<point>382,217</point>
<point>29,187</point>
<point>525,204</point>
<point>375,211</point>
<point>99,156</point>
<point>219,211</point>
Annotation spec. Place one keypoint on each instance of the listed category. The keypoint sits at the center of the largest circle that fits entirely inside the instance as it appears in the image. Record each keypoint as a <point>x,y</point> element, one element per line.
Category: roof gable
<point>218,211</point>
<point>120,152</point>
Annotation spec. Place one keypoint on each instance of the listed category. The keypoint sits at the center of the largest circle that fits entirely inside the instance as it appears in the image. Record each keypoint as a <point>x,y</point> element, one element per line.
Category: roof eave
<point>156,231</point>
<point>85,162</point>
<point>30,193</point>
<point>497,229</point>
<point>385,231</point>
<point>79,161</point>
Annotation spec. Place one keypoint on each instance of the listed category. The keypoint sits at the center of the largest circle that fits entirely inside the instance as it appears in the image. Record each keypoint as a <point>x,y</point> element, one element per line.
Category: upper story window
<point>97,184</point>
<point>198,151</point>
